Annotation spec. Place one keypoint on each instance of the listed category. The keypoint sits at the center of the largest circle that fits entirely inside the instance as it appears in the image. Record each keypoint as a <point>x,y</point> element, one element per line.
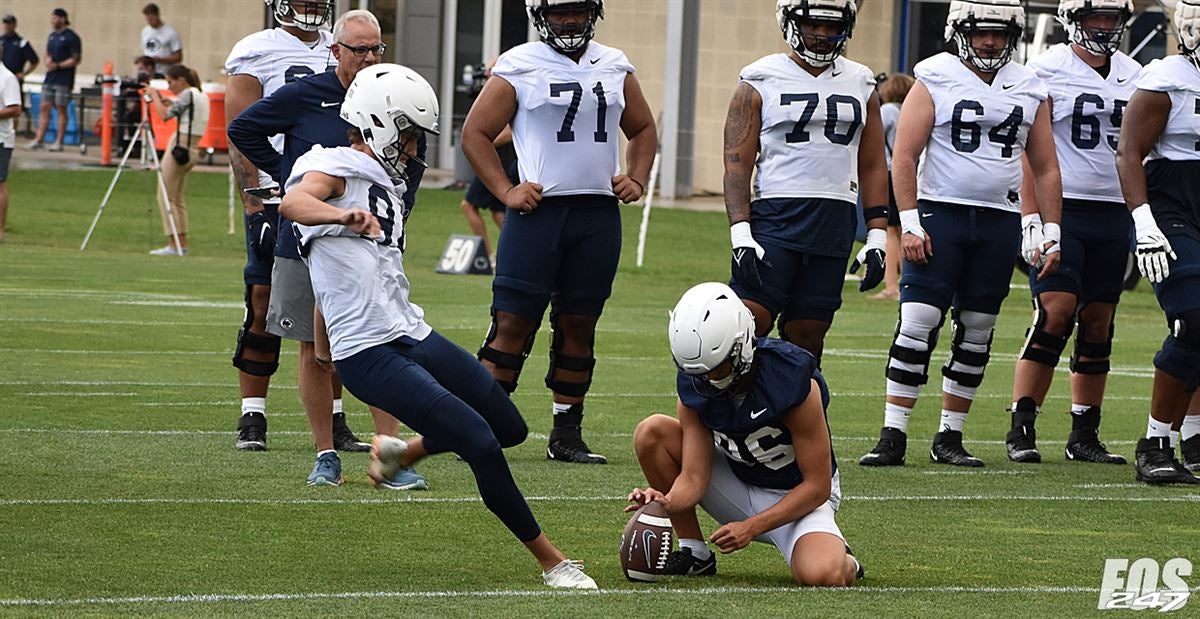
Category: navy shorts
<point>5,161</point>
<point>479,197</point>
<point>1094,238</point>
<point>801,285</point>
<point>258,270</point>
<point>1180,292</point>
<point>565,251</point>
<point>972,262</point>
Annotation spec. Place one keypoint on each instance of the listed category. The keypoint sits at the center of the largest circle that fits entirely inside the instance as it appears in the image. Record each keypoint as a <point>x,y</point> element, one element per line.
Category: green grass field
<point>123,493</point>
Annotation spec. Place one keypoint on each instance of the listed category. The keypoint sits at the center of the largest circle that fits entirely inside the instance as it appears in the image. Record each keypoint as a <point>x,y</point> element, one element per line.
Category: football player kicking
<point>809,121</point>
<point>972,114</point>
<point>347,203</point>
<point>750,445</point>
<point>566,98</point>
<point>1090,83</point>
<point>1158,161</point>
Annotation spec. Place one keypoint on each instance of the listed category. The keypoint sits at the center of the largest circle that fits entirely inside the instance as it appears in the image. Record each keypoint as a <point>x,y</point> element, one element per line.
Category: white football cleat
<point>385,458</point>
<point>568,575</point>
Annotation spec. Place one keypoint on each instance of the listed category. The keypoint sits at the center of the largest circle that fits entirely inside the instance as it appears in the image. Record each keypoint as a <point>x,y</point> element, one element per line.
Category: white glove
<point>1032,238</point>
<point>1154,252</point>
<point>910,223</point>
<point>740,236</point>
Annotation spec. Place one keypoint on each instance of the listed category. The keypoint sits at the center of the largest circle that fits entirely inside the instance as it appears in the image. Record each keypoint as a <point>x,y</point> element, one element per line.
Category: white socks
<point>952,421</point>
<point>1079,409</point>
<point>561,408</point>
<point>1157,429</point>
<point>1190,427</point>
<point>337,406</point>
<point>698,547</point>
<point>896,416</point>
<point>254,405</point>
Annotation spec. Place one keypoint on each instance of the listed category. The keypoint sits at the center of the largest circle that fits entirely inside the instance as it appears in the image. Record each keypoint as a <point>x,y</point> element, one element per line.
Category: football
<point>645,543</point>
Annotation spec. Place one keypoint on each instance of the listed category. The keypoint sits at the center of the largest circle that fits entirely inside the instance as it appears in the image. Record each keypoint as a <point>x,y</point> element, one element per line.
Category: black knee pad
<point>558,360</point>
<point>966,357</point>
<point>246,339</point>
<point>505,360</point>
<point>1098,351</point>
<point>1180,354</point>
<point>911,355</point>
<point>1052,346</point>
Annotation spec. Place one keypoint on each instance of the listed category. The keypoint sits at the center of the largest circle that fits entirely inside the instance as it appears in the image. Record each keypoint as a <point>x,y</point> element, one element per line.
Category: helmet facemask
<point>394,155</point>
<point>1187,29</point>
<point>307,20</point>
<point>567,38</point>
<point>984,59</point>
<point>1097,40</point>
<point>816,49</point>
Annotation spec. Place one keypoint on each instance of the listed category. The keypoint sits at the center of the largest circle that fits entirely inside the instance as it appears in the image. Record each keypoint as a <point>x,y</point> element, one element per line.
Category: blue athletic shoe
<point>327,471</point>
<point>405,479</point>
<point>386,471</point>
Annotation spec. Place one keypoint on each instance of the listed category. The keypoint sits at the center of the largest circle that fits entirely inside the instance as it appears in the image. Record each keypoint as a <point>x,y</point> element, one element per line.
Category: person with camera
<point>190,106</point>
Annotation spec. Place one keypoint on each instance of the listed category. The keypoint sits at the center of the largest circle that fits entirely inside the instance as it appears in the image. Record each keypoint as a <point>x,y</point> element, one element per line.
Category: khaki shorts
<point>290,311</point>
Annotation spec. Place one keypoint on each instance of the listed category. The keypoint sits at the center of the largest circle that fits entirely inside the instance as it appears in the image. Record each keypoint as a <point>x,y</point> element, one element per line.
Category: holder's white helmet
<point>1099,41</point>
<point>567,39</point>
<point>969,16</point>
<point>1187,28</point>
<point>792,13</point>
<point>388,103</point>
<point>709,326</point>
<point>308,15</point>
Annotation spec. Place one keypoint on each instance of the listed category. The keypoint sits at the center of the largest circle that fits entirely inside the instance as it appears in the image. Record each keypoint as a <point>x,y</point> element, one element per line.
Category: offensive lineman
<point>750,445</point>
<point>1090,83</point>
<point>565,97</point>
<point>973,115</point>
<point>259,65</point>
<point>810,122</point>
<point>346,203</point>
<point>1162,128</point>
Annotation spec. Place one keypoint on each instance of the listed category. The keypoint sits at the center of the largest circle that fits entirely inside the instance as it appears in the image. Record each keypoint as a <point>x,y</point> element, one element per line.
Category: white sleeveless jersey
<point>274,58</point>
<point>359,283</point>
<point>1087,109</point>
<point>979,130</point>
<point>1179,78</point>
<point>567,127</point>
<point>811,127</point>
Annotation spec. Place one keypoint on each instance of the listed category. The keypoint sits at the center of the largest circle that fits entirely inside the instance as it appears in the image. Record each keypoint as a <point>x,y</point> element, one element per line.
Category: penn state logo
<point>152,45</point>
<point>287,323</point>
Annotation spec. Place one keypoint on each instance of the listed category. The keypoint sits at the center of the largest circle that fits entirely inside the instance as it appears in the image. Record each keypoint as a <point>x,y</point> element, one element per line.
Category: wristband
<point>875,212</point>
<point>910,222</point>
<point>1052,232</point>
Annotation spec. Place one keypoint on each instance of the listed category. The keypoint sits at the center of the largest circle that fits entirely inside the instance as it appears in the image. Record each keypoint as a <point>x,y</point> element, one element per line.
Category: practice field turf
<point>122,492</point>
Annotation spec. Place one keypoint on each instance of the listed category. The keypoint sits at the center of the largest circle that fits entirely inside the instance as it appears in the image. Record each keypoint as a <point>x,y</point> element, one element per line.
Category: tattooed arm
<point>242,91</point>
<point>742,125</point>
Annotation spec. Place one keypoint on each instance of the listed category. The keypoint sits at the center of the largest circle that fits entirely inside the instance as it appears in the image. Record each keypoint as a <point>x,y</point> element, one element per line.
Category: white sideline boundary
<point>216,598</point>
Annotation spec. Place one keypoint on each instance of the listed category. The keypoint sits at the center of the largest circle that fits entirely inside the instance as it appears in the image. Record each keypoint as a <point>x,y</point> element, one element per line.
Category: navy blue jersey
<point>18,53</point>
<point>752,435</point>
<point>306,113</point>
<point>1174,191</point>
<point>61,45</point>
<point>819,226</point>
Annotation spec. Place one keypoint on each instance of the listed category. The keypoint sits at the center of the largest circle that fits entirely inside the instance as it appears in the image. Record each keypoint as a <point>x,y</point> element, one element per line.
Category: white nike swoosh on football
<point>756,414</point>
<point>328,104</point>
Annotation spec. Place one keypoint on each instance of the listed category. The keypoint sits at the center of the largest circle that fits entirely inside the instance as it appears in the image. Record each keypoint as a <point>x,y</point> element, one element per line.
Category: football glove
<point>261,231</point>
<point>873,255</point>
<point>747,257</point>
<point>1154,253</point>
<point>1032,238</point>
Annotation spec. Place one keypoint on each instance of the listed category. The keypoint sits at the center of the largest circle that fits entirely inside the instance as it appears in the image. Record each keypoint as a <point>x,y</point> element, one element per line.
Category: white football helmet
<point>792,13</point>
<point>1187,28</point>
<point>314,14</point>
<point>388,102</point>
<point>968,16</point>
<point>1099,41</point>
<point>567,39</point>
<point>709,326</point>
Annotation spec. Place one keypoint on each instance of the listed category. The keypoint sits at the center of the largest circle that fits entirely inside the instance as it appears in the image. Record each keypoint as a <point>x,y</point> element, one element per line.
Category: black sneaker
<point>860,572</point>
<point>573,450</point>
<point>252,432</point>
<point>343,437</point>
<point>683,563</point>
<point>1021,445</point>
<point>1190,450</point>
<point>889,451</point>
<point>948,449</point>
<point>1156,464</point>
<point>1084,445</point>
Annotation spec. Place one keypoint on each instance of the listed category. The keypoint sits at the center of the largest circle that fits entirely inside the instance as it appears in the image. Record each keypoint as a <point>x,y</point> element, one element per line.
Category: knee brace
<point>268,344</point>
<point>558,360</point>
<point>1098,351</point>
<point>908,359</point>
<point>505,360</point>
<point>1180,354</point>
<point>969,355</point>
<point>1051,345</point>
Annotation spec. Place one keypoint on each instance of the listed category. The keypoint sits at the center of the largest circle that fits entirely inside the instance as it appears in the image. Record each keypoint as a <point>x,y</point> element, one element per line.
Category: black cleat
<point>1084,445</point>
<point>948,449</point>
<point>889,451</point>
<point>1021,445</point>
<point>1156,463</point>
<point>573,450</point>
<point>1190,450</point>
<point>252,432</point>
<point>683,563</point>
<point>860,572</point>
<point>343,437</point>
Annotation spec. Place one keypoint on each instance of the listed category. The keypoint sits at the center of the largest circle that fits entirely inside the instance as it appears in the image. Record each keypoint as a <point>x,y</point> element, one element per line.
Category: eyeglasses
<point>362,50</point>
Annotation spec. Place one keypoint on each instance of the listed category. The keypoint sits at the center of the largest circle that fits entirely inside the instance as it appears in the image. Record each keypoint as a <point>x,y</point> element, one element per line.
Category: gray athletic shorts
<point>290,311</point>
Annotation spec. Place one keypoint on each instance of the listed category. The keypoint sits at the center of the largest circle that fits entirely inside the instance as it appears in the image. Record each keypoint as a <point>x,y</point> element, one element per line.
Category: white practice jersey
<point>1087,111</point>
<point>567,127</point>
<point>979,130</point>
<point>359,283</point>
<point>274,58</point>
<point>1179,78</point>
<point>811,127</point>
